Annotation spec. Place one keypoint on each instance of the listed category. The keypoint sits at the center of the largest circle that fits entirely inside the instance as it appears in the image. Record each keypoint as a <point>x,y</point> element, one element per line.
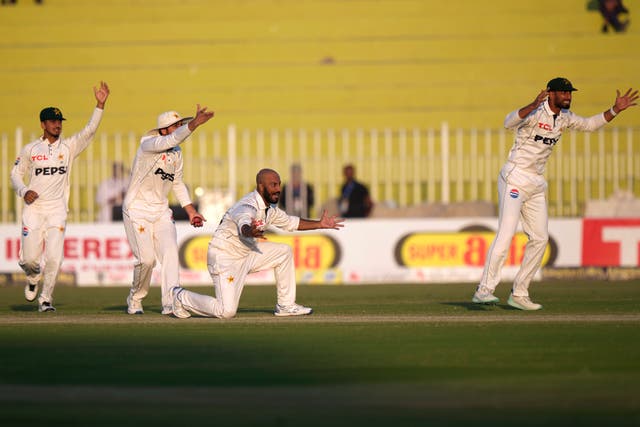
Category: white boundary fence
<point>403,167</point>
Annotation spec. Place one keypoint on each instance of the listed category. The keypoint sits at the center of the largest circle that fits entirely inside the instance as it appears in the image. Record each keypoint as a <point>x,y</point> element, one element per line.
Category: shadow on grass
<point>25,307</point>
<point>471,306</point>
<point>256,310</point>
<point>123,309</point>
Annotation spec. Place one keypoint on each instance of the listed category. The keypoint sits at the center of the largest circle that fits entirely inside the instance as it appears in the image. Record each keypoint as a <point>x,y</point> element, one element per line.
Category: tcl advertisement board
<point>407,250</point>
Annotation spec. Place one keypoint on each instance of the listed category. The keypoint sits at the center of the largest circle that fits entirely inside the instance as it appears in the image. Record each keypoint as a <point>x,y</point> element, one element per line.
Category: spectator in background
<point>297,196</point>
<point>16,1</point>
<point>355,201</point>
<point>611,11</point>
<point>111,193</point>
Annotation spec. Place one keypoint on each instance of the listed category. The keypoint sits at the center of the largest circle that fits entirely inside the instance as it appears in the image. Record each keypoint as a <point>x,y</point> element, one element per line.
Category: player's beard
<point>54,134</point>
<point>563,104</point>
<point>272,198</point>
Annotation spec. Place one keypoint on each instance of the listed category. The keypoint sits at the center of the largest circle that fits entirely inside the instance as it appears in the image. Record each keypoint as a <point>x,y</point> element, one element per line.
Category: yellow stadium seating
<point>303,64</point>
<point>306,63</point>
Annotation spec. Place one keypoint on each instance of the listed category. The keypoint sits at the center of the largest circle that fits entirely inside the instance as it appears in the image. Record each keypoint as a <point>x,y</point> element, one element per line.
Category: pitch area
<point>369,355</point>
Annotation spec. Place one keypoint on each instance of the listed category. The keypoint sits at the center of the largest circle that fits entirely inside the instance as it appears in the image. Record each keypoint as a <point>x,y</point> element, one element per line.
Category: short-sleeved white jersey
<point>48,165</point>
<point>157,169</point>
<point>539,131</point>
<point>228,237</point>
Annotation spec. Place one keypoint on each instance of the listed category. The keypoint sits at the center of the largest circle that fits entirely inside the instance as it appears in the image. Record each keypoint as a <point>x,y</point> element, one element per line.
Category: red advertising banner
<point>611,242</point>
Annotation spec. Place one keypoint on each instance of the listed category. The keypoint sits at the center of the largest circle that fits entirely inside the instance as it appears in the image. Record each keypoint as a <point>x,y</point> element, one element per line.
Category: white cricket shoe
<point>45,306</point>
<point>292,310</point>
<point>523,303</point>
<point>178,309</point>
<point>30,291</point>
<point>133,306</point>
<point>483,295</point>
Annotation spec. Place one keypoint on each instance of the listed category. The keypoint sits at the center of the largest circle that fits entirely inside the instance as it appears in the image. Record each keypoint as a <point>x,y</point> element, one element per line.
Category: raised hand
<point>542,96</point>
<point>202,116</point>
<point>101,93</point>
<point>625,101</point>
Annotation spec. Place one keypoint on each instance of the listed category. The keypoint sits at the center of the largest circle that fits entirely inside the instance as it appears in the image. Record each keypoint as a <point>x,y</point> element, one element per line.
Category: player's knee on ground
<point>228,312</point>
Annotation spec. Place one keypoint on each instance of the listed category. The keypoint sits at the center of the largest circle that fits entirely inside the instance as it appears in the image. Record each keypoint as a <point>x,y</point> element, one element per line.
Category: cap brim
<point>183,121</point>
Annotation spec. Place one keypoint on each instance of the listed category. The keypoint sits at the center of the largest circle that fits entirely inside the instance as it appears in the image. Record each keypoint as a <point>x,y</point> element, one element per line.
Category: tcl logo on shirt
<point>611,242</point>
<point>39,157</point>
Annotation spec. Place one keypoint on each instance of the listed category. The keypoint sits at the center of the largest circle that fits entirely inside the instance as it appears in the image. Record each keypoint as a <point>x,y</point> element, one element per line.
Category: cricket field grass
<point>383,355</point>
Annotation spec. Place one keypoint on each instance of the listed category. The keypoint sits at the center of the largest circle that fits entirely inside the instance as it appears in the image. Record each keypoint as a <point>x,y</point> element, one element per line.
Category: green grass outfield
<point>405,355</point>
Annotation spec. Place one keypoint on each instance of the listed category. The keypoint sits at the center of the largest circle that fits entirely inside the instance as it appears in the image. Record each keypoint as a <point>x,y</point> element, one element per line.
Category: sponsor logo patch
<point>25,231</point>
<point>545,140</point>
<point>165,175</point>
<point>51,170</point>
<point>514,193</point>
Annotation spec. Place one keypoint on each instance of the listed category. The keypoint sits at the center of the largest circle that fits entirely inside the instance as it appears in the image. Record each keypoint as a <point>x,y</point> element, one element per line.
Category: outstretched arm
<point>332,222</point>
<point>622,103</point>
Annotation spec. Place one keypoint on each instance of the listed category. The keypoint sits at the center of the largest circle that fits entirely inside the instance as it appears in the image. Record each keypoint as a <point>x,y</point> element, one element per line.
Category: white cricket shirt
<point>539,131</point>
<point>48,165</point>
<point>227,236</point>
<point>157,169</point>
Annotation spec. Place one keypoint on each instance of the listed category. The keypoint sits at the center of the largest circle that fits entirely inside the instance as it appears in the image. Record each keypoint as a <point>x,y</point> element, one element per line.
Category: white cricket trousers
<point>151,241</point>
<point>43,227</point>
<point>229,272</point>
<point>521,196</point>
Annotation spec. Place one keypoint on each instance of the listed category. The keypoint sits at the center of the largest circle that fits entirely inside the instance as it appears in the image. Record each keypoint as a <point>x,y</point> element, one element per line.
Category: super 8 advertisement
<point>365,251</point>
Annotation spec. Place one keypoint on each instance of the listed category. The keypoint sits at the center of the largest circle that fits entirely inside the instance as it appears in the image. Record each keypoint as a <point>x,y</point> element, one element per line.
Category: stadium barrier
<point>404,168</point>
<point>365,251</point>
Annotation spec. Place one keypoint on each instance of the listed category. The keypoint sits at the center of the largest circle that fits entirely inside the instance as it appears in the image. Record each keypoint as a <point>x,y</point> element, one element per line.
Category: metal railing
<point>403,167</point>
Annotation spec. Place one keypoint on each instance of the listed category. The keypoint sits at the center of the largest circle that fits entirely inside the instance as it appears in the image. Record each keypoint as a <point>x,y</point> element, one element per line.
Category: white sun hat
<point>169,118</point>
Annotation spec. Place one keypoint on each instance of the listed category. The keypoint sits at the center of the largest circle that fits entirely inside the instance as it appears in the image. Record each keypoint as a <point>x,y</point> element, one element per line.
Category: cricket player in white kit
<point>148,219</point>
<point>47,162</point>
<point>522,186</point>
<point>238,248</point>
